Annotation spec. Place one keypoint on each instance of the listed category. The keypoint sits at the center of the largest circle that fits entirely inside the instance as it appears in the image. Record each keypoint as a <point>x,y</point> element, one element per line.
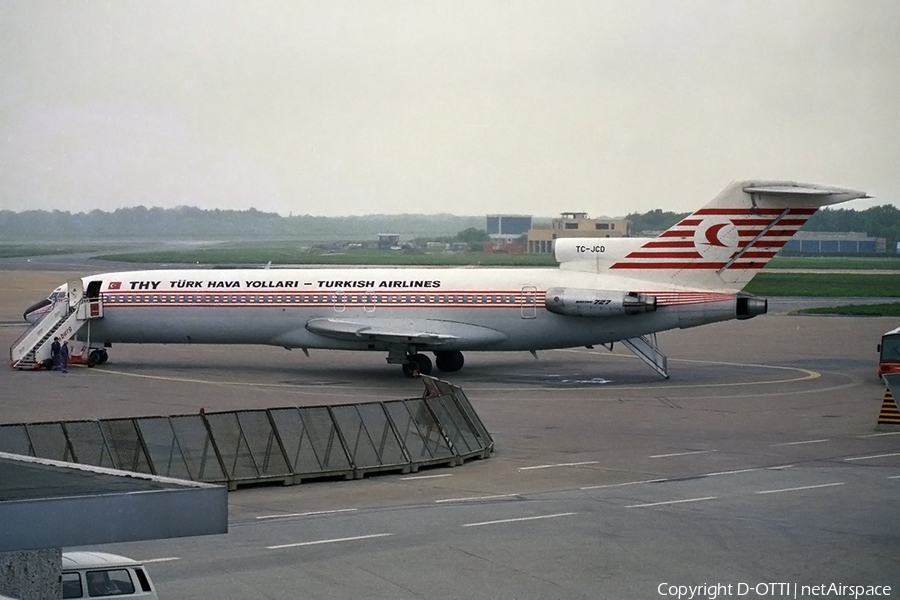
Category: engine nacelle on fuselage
<point>573,302</point>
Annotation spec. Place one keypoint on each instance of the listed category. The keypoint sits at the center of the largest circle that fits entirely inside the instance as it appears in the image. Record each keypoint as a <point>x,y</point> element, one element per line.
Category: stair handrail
<point>53,319</point>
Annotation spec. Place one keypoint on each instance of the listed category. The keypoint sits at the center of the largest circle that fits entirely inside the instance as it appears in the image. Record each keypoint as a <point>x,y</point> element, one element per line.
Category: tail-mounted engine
<point>747,307</point>
<point>597,303</point>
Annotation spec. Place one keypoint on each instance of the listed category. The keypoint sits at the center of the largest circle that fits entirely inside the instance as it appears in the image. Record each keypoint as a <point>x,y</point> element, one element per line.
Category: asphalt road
<point>757,463</point>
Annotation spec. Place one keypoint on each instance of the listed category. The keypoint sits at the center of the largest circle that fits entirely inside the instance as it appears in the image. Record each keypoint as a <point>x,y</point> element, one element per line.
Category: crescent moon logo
<point>716,239</point>
<point>712,234</point>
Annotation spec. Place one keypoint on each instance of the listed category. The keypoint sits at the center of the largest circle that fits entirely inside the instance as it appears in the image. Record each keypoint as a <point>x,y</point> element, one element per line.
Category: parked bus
<point>889,352</point>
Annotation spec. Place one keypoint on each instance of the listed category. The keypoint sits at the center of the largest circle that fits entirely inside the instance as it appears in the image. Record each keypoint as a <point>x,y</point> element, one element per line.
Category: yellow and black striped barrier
<point>889,414</point>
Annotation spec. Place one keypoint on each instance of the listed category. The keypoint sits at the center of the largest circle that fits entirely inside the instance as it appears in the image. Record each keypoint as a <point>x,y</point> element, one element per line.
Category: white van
<point>99,574</point>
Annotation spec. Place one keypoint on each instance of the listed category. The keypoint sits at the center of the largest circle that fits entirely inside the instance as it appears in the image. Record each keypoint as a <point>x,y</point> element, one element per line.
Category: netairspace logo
<point>711,591</point>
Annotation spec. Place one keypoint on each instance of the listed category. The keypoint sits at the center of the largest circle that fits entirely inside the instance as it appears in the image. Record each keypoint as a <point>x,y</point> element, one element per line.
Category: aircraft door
<point>93,290</point>
<point>92,297</point>
<point>75,290</point>
<point>369,303</point>
<point>340,301</point>
<point>528,301</point>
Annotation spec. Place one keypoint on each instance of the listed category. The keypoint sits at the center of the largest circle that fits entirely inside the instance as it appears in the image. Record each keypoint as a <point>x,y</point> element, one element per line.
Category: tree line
<point>194,223</point>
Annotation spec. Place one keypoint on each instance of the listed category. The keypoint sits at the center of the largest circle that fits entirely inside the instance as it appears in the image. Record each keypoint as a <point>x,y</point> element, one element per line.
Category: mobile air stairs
<point>67,317</point>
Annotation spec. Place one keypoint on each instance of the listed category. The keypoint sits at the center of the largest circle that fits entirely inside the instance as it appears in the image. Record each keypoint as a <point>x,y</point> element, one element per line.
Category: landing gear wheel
<point>95,358</point>
<point>449,362</point>
<point>103,357</point>
<point>418,364</point>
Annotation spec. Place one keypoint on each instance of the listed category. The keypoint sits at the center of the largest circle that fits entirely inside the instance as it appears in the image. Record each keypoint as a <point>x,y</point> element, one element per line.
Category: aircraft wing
<point>373,329</point>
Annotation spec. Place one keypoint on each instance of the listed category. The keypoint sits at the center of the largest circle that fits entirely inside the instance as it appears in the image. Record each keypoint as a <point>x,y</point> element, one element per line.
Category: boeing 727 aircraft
<point>604,291</point>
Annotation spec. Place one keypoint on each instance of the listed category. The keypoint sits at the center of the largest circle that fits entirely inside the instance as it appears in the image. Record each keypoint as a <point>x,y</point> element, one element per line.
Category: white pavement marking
<point>894,477</point>
<point>800,443</point>
<point>807,374</point>
<point>714,474</point>
<point>426,476</point>
<point>307,514</point>
<point>298,389</point>
<point>681,453</point>
<point>874,456</point>
<point>871,435</point>
<point>159,560</point>
<point>568,514</point>
<point>331,541</point>
<point>797,489</point>
<point>615,485</point>
<point>735,472</point>
<point>572,464</point>
<point>475,498</point>
<point>671,502</point>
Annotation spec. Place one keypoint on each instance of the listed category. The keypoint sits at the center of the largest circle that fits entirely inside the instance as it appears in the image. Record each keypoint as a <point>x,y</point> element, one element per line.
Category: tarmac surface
<point>757,463</point>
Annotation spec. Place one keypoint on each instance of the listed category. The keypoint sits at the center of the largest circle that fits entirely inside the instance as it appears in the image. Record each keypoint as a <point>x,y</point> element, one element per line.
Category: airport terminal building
<point>575,225</point>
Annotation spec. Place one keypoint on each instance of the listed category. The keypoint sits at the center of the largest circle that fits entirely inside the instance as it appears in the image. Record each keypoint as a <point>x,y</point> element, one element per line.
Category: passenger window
<point>109,583</point>
<point>71,585</point>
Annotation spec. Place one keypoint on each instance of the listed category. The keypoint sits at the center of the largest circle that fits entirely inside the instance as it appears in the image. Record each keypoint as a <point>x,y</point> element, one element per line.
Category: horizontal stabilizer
<point>800,189</point>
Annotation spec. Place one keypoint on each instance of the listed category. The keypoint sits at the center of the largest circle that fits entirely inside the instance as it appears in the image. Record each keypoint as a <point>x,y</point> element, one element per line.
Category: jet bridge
<point>66,318</point>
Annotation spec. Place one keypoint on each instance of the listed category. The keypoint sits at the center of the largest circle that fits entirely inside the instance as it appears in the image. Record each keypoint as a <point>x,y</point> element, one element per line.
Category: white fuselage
<point>474,308</point>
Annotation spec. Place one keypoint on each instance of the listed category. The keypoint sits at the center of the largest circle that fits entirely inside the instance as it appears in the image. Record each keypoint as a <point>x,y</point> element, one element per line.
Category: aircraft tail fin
<point>722,245</point>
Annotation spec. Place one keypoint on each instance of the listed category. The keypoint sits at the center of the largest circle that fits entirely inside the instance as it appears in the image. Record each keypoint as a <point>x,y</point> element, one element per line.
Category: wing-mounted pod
<point>573,302</point>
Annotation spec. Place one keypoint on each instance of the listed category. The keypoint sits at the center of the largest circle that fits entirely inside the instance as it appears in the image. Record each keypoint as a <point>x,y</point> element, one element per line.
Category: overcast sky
<point>430,106</point>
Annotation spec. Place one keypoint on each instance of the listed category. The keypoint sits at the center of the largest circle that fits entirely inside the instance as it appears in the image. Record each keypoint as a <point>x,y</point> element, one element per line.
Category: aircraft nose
<point>29,313</point>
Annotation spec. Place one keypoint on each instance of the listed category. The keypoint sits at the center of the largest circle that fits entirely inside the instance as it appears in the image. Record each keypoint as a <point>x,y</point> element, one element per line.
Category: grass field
<point>281,255</point>
<point>16,250</point>
<point>835,262</point>
<point>857,310</point>
<point>295,253</point>
<point>825,285</point>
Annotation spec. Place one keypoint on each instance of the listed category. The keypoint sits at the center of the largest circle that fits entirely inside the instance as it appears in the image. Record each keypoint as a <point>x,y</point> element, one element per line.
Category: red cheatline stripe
<point>669,297</point>
<point>753,211</point>
<point>661,253</point>
<point>658,254</point>
<point>780,233</point>
<point>764,243</point>
<point>710,266</point>
<point>759,254</point>
<point>748,219</point>
<point>765,222</point>
<point>754,222</point>
<point>746,233</point>
<point>670,244</point>
<point>324,291</point>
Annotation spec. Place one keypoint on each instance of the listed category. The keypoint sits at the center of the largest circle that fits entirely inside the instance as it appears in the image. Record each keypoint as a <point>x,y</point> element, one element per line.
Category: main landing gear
<point>419,364</point>
<point>97,356</point>
<point>449,362</point>
<point>416,364</point>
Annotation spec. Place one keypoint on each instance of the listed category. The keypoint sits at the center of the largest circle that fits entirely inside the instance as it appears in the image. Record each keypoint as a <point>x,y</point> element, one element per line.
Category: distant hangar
<point>833,242</point>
